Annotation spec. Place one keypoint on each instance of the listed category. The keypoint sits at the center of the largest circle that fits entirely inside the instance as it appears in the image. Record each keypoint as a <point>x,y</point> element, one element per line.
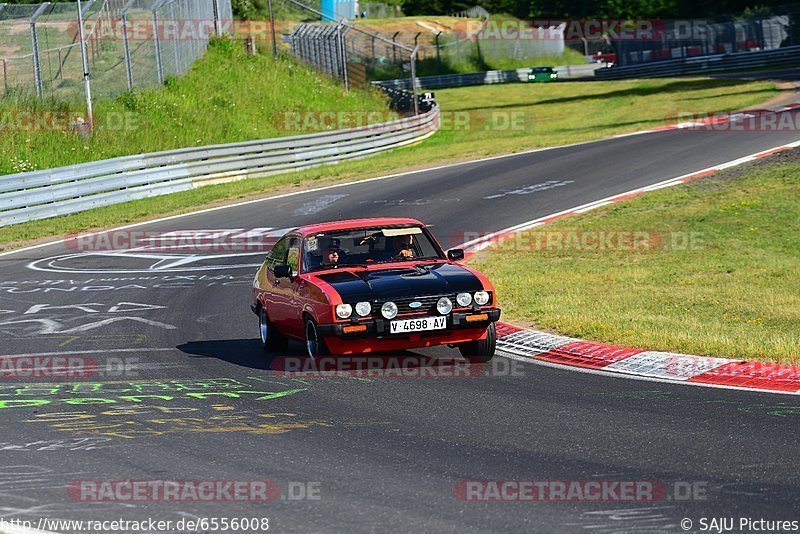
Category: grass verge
<point>477,122</point>
<point>715,271</point>
<point>226,97</point>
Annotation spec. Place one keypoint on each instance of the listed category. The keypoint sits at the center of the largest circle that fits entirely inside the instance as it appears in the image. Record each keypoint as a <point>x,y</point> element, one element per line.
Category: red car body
<point>289,307</point>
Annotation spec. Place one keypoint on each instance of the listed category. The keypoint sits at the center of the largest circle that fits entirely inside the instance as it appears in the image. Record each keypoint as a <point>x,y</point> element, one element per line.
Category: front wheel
<point>482,350</point>
<point>315,345</point>
<point>271,339</point>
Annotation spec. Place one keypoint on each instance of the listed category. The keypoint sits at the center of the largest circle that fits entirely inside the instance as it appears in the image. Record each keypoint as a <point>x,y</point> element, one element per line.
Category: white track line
<point>485,241</point>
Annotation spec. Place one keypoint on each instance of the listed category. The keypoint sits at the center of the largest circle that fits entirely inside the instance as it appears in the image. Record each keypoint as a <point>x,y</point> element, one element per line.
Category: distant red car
<point>370,285</point>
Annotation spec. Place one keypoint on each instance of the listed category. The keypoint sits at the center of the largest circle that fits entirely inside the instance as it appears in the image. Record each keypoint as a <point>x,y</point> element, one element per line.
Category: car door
<point>286,313</point>
<point>294,319</point>
<point>274,295</point>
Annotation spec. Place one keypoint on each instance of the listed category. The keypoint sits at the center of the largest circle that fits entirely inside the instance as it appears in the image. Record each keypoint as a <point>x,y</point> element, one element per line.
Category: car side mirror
<point>283,271</point>
<point>455,254</point>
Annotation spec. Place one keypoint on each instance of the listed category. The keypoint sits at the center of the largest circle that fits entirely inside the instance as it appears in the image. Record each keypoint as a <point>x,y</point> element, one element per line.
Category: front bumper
<point>377,328</point>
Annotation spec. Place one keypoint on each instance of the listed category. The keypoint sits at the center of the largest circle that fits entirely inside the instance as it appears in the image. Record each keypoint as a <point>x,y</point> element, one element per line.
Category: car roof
<point>355,223</point>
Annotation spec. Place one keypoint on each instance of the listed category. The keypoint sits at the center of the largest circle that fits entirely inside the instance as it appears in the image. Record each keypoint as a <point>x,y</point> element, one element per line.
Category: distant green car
<point>542,74</point>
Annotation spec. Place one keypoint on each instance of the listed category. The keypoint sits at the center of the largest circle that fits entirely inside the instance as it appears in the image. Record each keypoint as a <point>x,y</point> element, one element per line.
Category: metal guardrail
<point>53,192</point>
<point>485,78</point>
<point>704,64</point>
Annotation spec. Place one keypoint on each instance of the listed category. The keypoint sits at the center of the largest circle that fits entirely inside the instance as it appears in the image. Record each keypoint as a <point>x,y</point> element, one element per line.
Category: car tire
<point>271,339</point>
<point>315,345</point>
<point>483,350</point>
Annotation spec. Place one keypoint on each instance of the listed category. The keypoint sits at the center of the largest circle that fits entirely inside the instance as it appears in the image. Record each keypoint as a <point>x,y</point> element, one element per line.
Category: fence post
<point>272,30</point>
<point>414,80</point>
<point>438,54</point>
<point>175,52</point>
<point>5,76</point>
<point>157,42</point>
<point>217,20</point>
<point>123,13</point>
<point>342,40</point>
<point>85,60</point>
<point>37,67</point>
<point>394,48</point>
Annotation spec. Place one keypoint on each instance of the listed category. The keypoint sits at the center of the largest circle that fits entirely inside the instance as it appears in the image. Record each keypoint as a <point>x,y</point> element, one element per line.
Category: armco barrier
<point>49,193</point>
<point>485,78</point>
<point>704,64</point>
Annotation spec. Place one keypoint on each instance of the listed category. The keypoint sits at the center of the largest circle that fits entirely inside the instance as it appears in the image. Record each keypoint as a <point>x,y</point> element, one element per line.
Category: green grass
<point>543,115</point>
<point>226,97</point>
<point>733,292</point>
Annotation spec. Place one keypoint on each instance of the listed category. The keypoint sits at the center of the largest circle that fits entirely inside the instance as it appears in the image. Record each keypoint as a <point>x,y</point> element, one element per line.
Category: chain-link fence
<point>773,27</point>
<point>349,53</point>
<point>126,43</point>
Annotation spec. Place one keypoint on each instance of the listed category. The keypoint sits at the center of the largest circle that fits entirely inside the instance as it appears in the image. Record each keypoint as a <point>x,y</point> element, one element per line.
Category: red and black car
<point>369,285</point>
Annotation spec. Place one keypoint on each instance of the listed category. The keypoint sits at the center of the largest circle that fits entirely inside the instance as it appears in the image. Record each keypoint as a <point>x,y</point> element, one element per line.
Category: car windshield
<point>362,247</point>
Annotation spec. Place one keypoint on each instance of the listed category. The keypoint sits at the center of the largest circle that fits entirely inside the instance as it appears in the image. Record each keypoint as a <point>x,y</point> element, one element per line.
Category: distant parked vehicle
<point>542,74</point>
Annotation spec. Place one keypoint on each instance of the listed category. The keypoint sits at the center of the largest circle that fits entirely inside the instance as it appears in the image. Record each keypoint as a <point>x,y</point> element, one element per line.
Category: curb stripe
<point>664,366</point>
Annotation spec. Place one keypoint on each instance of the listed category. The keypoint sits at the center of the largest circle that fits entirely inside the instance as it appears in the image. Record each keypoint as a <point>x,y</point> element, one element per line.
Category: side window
<point>293,256</point>
<point>277,255</point>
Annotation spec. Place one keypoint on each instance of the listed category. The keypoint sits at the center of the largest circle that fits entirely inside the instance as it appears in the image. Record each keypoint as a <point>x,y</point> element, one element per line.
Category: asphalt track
<point>386,454</point>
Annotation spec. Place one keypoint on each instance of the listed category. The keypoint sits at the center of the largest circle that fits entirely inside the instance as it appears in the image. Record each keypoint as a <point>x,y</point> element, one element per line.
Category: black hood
<point>396,283</point>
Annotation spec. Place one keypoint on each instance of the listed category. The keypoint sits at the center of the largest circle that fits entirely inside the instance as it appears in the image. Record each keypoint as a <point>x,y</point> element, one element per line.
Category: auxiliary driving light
<point>464,299</point>
<point>482,298</point>
<point>444,306</point>
<point>363,309</point>
<point>389,310</point>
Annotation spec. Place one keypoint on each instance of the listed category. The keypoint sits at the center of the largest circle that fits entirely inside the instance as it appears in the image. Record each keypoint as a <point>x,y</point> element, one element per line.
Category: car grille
<point>428,304</point>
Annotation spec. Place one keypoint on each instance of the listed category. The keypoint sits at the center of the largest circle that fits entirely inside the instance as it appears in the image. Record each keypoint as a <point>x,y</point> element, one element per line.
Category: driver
<point>331,256</point>
<point>402,247</point>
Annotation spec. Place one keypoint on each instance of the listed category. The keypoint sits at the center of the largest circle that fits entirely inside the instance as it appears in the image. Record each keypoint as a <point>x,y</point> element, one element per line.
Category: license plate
<point>419,324</point>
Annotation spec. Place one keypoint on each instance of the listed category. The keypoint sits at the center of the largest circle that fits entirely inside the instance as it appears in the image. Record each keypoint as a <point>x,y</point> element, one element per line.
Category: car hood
<point>406,282</point>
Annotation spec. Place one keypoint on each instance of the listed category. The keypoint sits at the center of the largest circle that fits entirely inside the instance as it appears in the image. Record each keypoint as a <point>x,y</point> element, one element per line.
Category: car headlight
<point>389,310</point>
<point>444,306</point>
<point>343,311</point>
<point>363,308</point>
<point>482,298</point>
<point>464,299</point>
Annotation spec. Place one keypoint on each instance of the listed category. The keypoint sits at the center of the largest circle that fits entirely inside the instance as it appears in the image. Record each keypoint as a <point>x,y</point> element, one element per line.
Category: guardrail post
<point>37,67</point>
